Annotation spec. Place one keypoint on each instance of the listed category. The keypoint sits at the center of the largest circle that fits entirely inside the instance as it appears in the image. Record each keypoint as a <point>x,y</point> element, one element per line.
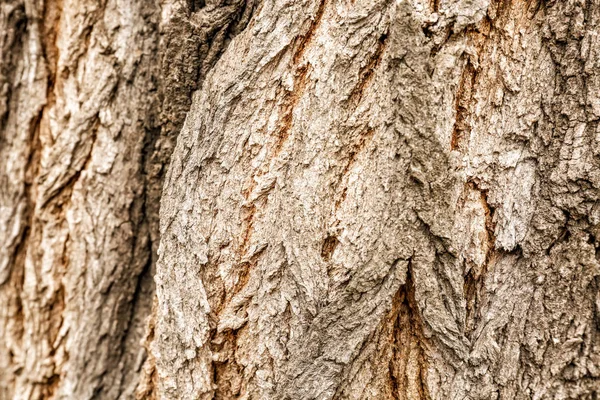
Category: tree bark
<point>368,199</point>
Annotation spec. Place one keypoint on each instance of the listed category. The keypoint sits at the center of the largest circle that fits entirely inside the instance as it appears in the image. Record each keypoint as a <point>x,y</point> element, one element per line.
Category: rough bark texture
<point>92,94</point>
<point>368,199</point>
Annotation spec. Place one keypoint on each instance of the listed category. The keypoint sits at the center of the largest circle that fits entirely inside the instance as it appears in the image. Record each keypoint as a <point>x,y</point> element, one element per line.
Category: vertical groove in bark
<point>475,275</point>
<point>463,105</point>
<point>408,365</point>
<point>366,73</point>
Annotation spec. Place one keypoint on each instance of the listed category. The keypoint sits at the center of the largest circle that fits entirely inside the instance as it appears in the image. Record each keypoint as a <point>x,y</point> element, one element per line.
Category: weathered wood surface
<point>368,199</point>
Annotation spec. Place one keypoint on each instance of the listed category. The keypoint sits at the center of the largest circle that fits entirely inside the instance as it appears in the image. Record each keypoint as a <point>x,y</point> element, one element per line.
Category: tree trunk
<point>368,199</point>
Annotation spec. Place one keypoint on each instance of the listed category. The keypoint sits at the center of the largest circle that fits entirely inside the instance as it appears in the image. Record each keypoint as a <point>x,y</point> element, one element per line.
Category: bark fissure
<point>407,368</point>
<point>361,143</point>
<point>463,103</point>
<point>366,73</point>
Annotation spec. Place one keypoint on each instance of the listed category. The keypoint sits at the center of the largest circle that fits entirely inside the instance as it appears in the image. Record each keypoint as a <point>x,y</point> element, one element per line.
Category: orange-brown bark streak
<point>463,104</point>
<point>484,37</point>
<point>227,372</point>
<point>407,368</point>
<point>285,123</point>
<point>366,74</point>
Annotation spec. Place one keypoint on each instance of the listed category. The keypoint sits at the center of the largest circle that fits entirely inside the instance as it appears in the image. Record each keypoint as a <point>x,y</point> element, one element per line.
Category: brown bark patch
<point>490,225</point>
<point>51,386</point>
<point>289,104</point>
<point>248,222</point>
<point>463,106</point>
<point>329,245</point>
<point>65,190</point>
<point>366,74</point>
<point>299,83</point>
<point>51,24</point>
<point>244,275</point>
<point>305,39</point>
<point>357,147</point>
<point>407,368</point>
<point>482,37</point>
<point>227,373</point>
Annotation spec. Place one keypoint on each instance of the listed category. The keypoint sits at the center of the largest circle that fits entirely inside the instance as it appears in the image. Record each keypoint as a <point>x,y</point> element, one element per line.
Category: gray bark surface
<point>359,199</point>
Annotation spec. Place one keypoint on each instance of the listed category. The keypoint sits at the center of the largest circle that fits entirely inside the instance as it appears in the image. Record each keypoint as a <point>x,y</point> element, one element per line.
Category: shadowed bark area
<point>309,199</point>
<point>408,365</point>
